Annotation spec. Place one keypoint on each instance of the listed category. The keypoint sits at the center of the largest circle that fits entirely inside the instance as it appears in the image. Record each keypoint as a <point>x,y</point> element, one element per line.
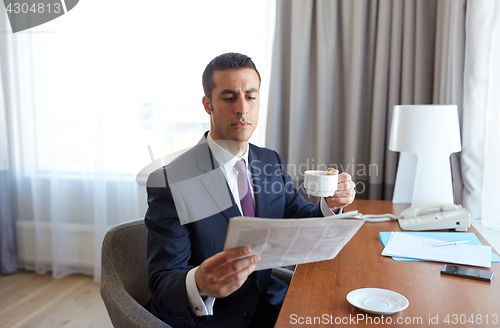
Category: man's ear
<point>207,105</point>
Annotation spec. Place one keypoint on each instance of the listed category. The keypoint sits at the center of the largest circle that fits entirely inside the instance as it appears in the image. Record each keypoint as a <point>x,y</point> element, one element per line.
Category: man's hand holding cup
<point>345,193</point>
<point>338,189</point>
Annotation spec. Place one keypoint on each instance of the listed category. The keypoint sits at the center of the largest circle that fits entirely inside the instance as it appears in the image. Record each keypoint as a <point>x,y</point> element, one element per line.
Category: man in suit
<point>194,282</point>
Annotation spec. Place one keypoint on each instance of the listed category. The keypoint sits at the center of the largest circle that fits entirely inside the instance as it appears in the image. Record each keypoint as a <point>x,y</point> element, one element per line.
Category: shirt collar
<point>223,157</point>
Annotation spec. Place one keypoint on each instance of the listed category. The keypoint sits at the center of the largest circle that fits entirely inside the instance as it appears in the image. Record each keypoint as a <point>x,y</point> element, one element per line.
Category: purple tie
<point>244,189</point>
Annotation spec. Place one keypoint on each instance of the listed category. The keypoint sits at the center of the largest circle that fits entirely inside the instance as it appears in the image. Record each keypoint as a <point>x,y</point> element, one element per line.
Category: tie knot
<point>240,167</point>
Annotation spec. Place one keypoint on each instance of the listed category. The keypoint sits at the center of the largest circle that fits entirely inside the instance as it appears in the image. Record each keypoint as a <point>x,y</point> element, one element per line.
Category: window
<point>113,77</point>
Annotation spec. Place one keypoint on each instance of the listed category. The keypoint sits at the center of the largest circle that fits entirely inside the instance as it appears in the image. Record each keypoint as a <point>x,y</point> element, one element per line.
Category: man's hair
<point>231,60</point>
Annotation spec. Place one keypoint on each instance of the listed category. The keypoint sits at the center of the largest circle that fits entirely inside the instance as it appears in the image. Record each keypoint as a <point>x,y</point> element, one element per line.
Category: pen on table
<point>451,243</point>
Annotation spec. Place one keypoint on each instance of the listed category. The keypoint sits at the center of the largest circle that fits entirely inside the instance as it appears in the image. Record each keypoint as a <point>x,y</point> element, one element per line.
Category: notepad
<point>411,246</point>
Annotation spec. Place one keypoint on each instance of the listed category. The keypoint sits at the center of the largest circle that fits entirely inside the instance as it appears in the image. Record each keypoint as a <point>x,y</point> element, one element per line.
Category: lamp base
<point>405,178</point>
<point>423,182</point>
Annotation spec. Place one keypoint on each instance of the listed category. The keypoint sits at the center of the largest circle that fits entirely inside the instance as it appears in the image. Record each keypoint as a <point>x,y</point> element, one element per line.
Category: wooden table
<point>319,289</point>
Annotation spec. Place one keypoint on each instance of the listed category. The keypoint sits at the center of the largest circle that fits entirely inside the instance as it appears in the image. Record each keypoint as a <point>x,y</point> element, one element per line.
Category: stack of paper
<point>405,245</point>
<point>445,236</point>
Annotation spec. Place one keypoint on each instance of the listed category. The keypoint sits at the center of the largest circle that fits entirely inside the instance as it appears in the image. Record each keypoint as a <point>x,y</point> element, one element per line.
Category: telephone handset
<point>435,217</point>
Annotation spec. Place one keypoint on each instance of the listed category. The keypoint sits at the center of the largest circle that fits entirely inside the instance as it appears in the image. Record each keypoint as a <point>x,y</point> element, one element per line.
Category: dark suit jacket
<point>174,248</point>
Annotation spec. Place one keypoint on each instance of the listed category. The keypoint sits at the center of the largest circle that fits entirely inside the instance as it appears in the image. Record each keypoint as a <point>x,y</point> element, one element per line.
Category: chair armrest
<point>283,274</point>
<point>124,311</point>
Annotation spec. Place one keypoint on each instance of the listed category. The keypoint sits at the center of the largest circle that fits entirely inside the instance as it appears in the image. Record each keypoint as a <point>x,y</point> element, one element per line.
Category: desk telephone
<point>428,217</point>
<point>434,217</point>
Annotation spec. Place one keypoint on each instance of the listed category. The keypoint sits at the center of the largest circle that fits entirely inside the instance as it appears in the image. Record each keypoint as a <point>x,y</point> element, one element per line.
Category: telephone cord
<point>380,217</point>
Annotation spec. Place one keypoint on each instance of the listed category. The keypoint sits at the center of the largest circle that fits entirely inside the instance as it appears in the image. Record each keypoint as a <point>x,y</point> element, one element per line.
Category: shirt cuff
<point>200,306</point>
<point>326,210</point>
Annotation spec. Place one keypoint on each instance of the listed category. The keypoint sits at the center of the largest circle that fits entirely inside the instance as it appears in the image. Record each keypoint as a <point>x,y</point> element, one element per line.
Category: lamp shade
<point>426,136</point>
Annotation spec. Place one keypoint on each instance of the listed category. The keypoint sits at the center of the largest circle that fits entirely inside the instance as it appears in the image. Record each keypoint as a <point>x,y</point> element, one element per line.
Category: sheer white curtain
<point>8,257</point>
<point>481,117</point>
<point>88,92</point>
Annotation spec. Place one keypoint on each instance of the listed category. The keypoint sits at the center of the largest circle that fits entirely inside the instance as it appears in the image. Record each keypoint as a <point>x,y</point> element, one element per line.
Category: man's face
<point>234,109</point>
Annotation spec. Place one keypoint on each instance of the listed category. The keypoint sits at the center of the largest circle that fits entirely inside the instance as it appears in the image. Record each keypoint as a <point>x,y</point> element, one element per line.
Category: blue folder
<point>444,236</point>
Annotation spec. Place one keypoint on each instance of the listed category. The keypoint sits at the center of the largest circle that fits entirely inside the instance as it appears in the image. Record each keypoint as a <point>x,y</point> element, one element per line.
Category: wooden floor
<point>31,300</point>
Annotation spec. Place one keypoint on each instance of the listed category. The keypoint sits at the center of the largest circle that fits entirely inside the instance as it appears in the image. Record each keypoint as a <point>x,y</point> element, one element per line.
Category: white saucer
<point>377,300</point>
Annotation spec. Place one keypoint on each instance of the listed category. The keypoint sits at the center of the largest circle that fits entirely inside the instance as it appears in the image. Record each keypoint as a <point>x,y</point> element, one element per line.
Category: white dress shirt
<point>202,306</point>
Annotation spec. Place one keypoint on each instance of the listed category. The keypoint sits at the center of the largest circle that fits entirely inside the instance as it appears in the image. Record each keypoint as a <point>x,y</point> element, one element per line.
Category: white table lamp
<point>426,136</point>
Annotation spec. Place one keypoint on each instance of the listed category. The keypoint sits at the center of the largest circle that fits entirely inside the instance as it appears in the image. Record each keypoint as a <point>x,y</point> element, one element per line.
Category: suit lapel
<point>259,186</point>
<point>214,181</point>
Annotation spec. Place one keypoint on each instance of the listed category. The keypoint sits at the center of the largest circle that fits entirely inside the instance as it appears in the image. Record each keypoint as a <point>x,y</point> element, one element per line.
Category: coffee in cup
<point>321,183</point>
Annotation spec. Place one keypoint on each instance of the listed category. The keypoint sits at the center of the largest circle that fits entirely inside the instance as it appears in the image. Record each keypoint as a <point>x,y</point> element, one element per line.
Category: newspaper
<point>281,242</point>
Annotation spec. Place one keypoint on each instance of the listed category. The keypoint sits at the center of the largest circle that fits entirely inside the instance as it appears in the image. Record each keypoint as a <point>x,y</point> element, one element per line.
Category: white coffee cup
<point>321,183</point>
